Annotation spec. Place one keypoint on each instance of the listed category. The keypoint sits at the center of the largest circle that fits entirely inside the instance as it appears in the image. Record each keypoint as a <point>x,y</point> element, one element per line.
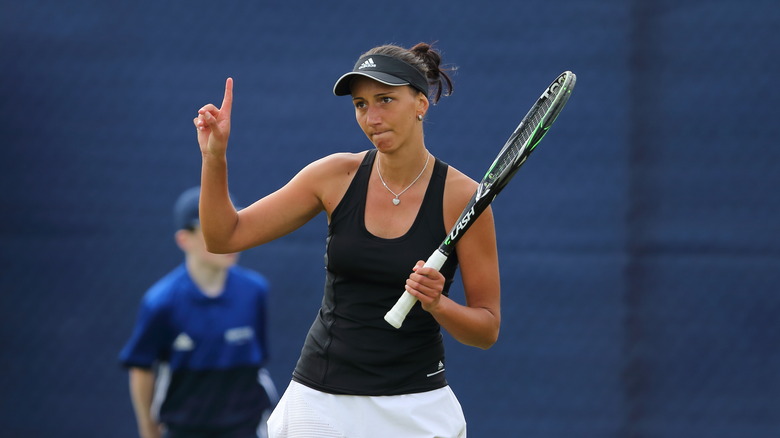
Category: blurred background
<point>639,245</point>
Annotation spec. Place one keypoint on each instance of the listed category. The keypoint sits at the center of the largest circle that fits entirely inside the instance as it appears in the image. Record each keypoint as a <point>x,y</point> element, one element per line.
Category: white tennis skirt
<point>304,412</point>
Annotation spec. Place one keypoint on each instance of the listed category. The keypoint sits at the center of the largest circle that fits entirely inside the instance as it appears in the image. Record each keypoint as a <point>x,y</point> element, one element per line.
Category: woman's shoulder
<point>459,184</point>
<point>458,190</point>
<point>340,161</point>
<point>331,175</point>
<point>334,164</point>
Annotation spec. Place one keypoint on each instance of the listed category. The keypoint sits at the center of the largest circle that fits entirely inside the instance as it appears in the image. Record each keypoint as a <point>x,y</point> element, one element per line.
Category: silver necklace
<point>397,201</point>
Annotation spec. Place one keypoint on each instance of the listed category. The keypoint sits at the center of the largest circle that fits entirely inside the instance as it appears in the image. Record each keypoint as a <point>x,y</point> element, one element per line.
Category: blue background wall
<point>640,245</point>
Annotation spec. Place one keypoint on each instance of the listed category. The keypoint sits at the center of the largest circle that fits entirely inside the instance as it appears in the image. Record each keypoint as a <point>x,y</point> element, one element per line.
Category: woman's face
<point>387,114</point>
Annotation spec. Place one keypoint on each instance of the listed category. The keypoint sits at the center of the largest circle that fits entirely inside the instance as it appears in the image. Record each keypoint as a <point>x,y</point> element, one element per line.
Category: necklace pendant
<point>396,201</point>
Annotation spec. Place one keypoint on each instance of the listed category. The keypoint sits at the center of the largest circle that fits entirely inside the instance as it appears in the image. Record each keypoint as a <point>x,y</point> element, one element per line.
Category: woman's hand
<point>213,124</point>
<point>426,284</point>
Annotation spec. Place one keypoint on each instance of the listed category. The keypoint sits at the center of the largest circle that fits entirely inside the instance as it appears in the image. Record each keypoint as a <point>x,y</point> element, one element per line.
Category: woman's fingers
<point>211,116</point>
<point>211,108</point>
<point>227,100</point>
<point>213,124</point>
<point>425,283</point>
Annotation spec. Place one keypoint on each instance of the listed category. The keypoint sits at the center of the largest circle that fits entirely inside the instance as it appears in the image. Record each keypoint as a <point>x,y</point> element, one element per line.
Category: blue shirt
<point>213,347</point>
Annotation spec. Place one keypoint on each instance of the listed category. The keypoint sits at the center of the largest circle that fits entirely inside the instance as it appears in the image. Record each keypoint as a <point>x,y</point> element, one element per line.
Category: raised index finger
<point>227,101</point>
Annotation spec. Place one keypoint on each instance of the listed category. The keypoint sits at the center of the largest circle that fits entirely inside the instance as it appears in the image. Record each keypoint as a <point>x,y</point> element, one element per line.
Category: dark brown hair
<point>424,58</point>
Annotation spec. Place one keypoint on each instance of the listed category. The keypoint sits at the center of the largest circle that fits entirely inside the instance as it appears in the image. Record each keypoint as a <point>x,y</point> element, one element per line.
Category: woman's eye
<point>360,105</point>
<point>387,99</point>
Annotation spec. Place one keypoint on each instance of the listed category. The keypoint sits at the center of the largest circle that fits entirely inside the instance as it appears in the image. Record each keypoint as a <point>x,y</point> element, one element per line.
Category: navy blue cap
<point>186,213</point>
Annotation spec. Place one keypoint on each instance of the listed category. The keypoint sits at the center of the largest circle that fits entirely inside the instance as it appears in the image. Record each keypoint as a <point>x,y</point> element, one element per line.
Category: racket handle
<point>396,316</point>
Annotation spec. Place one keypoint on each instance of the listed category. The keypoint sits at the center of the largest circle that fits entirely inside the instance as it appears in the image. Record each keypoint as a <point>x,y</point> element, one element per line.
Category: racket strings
<point>518,144</point>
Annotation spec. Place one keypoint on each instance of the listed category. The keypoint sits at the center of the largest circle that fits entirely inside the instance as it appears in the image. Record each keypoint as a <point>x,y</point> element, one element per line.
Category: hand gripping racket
<point>521,143</point>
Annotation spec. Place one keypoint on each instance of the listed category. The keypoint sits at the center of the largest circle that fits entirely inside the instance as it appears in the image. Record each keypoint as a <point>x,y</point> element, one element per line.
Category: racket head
<point>531,130</point>
<point>518,147</point>
<point>521,143</point>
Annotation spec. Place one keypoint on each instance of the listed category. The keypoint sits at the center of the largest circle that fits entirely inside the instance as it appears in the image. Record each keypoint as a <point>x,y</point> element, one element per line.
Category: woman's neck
<point>400,169</point>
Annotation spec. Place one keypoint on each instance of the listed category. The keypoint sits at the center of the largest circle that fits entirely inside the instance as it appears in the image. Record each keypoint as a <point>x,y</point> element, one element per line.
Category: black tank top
<point>350,348</point>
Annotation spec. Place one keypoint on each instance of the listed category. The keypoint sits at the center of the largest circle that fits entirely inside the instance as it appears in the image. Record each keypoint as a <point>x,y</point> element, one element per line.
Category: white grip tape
<point>397,314</point>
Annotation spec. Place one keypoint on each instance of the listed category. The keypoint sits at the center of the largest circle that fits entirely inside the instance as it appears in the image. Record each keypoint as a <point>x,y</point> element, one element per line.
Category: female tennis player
<point>357,376</point>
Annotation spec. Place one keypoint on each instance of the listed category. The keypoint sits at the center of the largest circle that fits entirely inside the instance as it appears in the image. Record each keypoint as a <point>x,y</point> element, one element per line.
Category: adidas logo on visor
<point>367,64</point>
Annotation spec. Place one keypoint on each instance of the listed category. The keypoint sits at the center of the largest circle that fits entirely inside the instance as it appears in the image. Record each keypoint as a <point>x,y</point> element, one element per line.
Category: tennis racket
<point>521,143</point>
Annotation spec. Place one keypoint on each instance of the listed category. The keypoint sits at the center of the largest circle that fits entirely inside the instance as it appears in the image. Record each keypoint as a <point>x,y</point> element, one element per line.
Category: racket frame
<point>490,186</point>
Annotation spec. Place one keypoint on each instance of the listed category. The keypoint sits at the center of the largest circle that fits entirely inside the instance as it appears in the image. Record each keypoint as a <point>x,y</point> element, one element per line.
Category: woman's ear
<point>422,104</point>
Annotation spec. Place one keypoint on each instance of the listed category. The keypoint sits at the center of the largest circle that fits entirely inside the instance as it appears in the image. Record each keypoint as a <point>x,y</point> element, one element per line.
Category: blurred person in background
<point>196,355</point>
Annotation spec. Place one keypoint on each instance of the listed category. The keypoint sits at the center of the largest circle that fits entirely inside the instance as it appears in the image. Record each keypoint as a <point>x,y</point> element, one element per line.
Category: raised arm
<point>317,187</point>
<point>218,216</point>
